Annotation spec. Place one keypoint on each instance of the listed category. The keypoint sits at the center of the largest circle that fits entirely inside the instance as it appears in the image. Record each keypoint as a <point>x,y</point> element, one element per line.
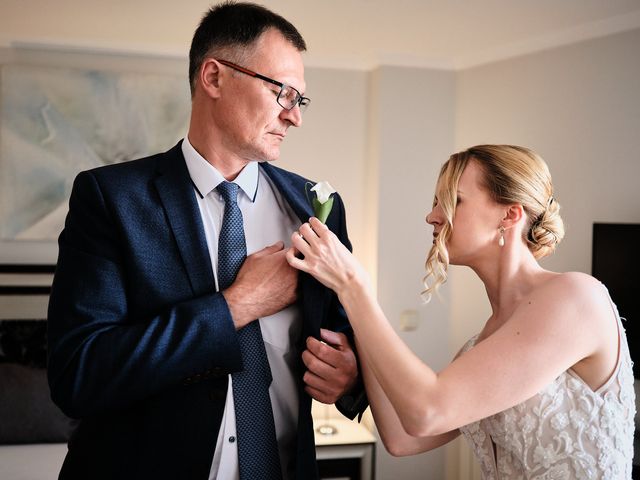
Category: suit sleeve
<point>355,402</point>
<point>102,357</point>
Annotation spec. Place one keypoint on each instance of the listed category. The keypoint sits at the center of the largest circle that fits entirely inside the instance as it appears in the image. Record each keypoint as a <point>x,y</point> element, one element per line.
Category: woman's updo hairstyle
<point>512,174</point>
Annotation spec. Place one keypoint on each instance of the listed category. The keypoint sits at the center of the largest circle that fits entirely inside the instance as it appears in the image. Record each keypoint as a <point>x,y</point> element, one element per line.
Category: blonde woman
<point>545,390</point>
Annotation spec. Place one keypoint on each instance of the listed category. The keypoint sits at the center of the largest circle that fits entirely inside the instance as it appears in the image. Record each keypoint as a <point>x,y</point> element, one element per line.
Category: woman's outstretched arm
<point>558,325</point>
<point>394,437</point>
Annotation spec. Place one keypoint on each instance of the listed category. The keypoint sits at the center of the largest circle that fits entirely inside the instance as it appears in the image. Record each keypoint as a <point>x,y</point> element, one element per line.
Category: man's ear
<point>513,215</point>
<point>209,78</point>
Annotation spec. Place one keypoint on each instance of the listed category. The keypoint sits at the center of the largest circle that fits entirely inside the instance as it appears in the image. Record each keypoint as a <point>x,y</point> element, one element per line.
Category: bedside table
<point>349,453</point>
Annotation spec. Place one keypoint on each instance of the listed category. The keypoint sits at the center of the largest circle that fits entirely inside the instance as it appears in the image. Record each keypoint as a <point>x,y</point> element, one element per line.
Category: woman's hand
<point>325,257</point>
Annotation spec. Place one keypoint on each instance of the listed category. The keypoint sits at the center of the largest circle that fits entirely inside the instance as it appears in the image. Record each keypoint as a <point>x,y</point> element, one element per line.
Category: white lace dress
<point>567,431</point>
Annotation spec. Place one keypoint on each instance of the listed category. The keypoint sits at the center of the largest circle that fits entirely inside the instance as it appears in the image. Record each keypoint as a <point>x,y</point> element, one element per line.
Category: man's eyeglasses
<point>288,97</point>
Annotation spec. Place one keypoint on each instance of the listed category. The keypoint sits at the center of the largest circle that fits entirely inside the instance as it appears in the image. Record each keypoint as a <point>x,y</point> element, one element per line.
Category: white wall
<point>579,107</point>
<point>414,133</point>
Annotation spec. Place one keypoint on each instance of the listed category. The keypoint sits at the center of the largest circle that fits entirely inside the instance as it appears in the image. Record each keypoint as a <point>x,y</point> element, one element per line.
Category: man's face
<point>253,122</point>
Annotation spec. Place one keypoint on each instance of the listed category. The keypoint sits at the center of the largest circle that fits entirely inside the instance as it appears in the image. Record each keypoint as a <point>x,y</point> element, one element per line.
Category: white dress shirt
<point>267,218</point>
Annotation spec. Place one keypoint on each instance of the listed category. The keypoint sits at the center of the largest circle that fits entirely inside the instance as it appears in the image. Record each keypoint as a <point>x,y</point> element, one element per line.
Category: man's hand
<point>264,285</point>
<point>332,370</point>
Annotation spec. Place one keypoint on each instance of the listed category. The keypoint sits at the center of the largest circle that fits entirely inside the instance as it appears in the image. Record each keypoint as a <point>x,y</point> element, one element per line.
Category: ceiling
<point>355,34</point>
<point>451,34</point>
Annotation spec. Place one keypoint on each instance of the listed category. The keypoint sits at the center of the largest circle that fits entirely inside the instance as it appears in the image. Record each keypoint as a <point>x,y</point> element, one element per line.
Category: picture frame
<point>26,279</point>
<point>25,290</point>
<point>65,109</point>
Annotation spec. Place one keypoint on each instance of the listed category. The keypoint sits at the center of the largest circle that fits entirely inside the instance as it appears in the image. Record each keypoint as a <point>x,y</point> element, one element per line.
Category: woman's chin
<point>454,261</point>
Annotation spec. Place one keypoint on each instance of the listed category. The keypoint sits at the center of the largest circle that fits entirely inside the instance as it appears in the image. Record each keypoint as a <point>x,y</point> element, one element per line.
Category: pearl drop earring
<point>501,240</point>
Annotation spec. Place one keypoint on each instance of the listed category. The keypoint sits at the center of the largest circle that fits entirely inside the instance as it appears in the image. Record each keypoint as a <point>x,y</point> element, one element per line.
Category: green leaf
<point>322,210</point>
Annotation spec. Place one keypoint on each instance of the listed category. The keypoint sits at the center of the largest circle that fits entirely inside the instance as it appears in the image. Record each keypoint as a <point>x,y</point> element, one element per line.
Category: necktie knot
<point>229,192</point>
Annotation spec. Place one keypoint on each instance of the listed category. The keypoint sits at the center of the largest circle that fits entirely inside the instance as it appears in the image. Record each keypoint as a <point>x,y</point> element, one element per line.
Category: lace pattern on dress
<point>566,431</point>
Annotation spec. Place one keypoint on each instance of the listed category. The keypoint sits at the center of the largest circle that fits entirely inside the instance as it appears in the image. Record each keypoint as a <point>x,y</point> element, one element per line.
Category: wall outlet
<point>409,320</point>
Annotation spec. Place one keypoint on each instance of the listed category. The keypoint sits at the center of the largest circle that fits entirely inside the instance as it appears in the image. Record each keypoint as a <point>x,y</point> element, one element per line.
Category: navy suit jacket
<point>140,343</point>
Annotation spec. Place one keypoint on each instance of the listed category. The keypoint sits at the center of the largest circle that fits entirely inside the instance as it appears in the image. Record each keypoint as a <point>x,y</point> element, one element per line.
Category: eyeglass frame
<point>302,102</point>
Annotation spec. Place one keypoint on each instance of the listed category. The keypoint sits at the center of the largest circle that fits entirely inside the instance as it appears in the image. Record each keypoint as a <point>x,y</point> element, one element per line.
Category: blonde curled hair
<point>512,175</point>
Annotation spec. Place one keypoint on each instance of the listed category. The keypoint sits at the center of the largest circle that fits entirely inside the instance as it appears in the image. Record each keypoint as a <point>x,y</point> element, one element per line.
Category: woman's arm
<point>554,328</point>
<point>394,437</point>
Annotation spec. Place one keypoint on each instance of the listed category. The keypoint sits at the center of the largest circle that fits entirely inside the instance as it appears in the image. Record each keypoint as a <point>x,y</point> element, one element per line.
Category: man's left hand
<point>332,369</point>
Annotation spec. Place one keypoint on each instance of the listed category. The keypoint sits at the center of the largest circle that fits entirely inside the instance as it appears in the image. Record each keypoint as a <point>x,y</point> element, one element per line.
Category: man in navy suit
<point>142,342</point>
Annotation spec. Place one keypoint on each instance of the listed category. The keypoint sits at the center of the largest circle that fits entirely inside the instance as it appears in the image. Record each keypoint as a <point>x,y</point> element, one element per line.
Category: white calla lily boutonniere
<point>322,203</point>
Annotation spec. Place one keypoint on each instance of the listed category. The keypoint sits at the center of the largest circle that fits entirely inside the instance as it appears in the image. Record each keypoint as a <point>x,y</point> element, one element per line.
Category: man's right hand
<point>264,285</point>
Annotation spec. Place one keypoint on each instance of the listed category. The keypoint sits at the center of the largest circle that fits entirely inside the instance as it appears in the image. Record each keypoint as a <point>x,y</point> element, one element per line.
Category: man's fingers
<point>276,247</point>
<point>270,249</point>
<point>317,366</point>
<point>319,395</point>
<point>324,352</point>
<point>331,369</point>
<point>312,380</point>
<point>320,389</point>
<point>335,339</point>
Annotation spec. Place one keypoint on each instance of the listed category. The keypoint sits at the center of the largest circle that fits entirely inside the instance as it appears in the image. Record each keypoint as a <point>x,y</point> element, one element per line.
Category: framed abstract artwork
<point>62,112</point>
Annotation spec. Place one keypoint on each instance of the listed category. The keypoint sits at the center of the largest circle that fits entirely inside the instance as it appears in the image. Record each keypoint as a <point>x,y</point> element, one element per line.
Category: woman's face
<point>476,223</point>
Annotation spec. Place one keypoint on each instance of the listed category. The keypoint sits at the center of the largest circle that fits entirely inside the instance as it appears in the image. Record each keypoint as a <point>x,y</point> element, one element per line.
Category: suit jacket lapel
<point>315,296</point>
<point>292,188</point>
<point>178,199</point>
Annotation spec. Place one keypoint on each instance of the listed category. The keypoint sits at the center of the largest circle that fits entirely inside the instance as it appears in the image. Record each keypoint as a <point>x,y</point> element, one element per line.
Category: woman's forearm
<point>395,367</point>
<point>394,437</point>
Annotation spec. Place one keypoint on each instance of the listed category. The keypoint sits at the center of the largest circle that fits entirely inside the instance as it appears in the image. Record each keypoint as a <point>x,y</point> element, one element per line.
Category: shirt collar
<point>206,177</point>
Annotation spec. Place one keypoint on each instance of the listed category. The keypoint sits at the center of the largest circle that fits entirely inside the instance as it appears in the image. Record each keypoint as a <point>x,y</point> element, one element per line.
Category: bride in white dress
<point>545,390</point>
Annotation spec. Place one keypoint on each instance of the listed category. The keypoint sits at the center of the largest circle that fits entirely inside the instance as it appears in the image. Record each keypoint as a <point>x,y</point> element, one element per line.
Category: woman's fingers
<point>294,261</point>
<point>309,234</point>
<point>319,227</point>
<point>298,241</point>
<point>315,242</point>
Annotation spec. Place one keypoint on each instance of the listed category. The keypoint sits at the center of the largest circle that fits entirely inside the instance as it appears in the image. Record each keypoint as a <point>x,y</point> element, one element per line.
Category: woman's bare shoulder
<point>575,285</point>
<point>578,294</point>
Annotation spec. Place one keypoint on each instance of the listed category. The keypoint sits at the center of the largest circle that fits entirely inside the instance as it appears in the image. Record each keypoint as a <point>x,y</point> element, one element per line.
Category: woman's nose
<point>433,218</point>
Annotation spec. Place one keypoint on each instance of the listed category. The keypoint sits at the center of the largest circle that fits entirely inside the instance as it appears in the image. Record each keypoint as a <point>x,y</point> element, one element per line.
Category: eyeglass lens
<point>289,98</point>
